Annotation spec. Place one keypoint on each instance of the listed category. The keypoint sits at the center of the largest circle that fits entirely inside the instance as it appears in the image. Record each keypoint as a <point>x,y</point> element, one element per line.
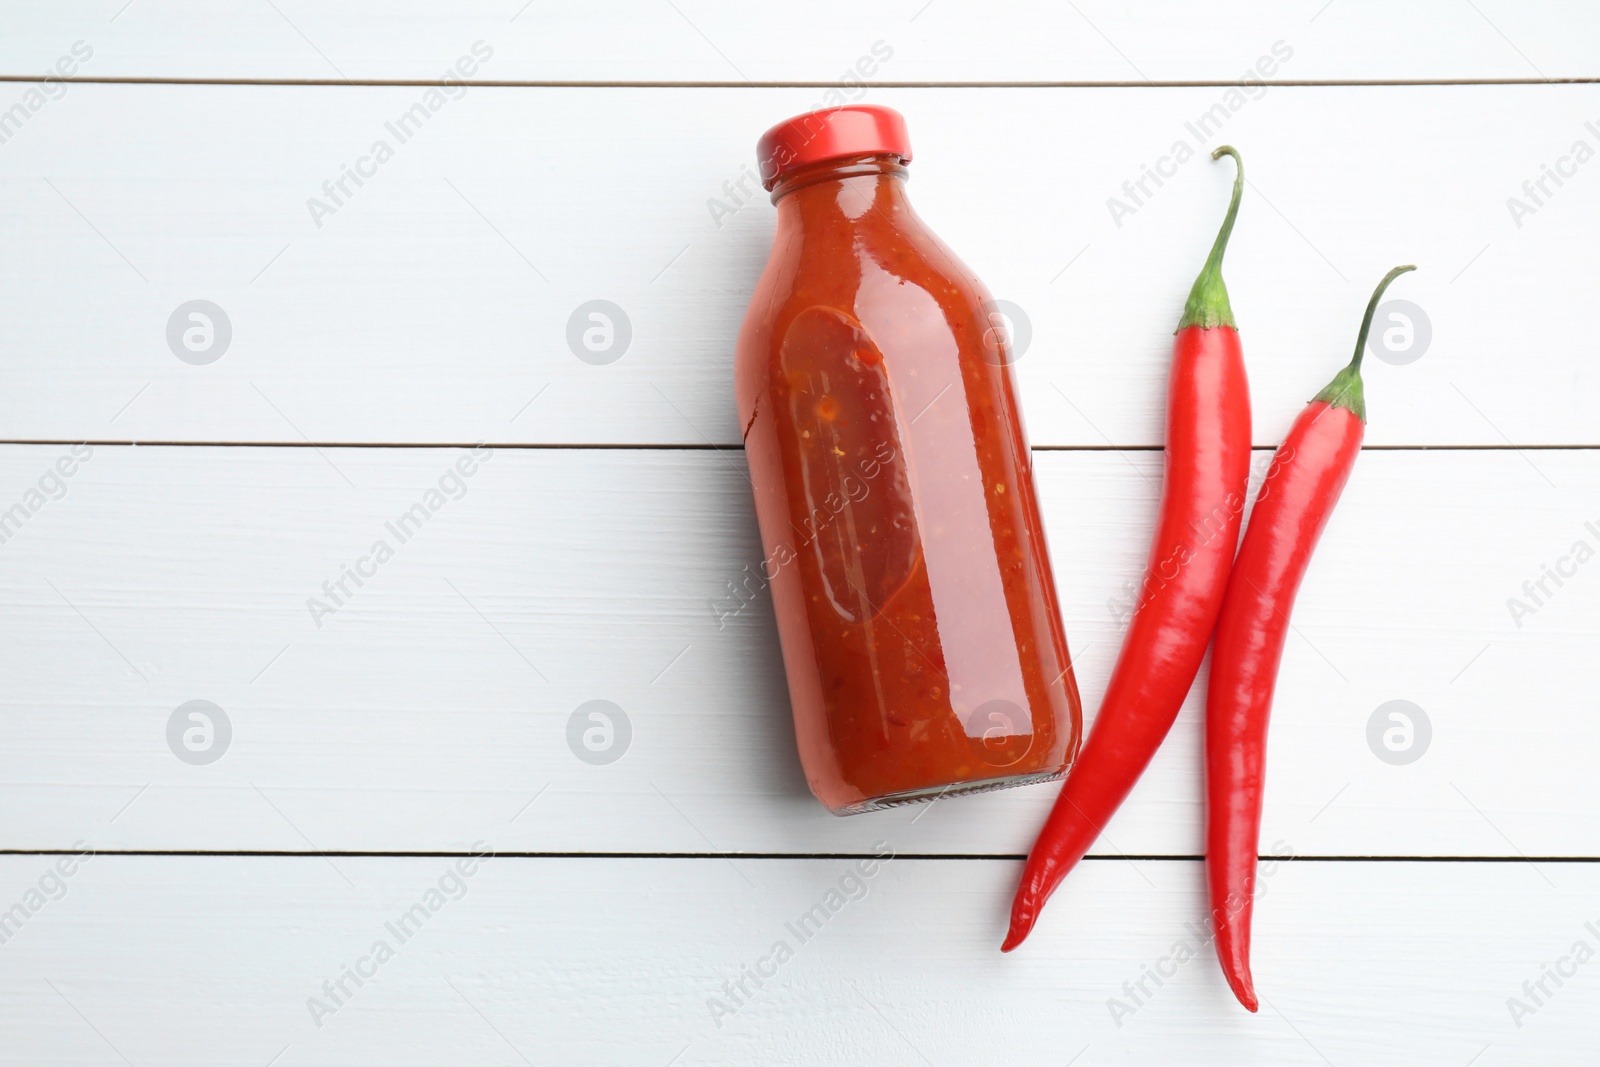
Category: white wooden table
<point>367,743</point>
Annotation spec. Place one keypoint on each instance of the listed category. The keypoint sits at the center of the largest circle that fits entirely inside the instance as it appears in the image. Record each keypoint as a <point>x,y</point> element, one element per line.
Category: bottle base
<point>959,789</point>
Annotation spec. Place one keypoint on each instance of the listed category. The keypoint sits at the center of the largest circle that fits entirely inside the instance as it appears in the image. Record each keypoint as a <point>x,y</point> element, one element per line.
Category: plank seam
<point>401,83</point>
<point>941,856</point>
<point>551,446</point>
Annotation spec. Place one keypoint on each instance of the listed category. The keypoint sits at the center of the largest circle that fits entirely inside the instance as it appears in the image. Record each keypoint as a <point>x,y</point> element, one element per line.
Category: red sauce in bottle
<point>893,484</point>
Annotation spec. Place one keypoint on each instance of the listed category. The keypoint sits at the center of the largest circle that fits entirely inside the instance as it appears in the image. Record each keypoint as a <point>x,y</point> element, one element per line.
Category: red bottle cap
<point>835,133</point>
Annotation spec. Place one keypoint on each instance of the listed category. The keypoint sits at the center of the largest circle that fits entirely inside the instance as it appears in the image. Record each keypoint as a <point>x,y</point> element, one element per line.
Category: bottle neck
<point>872,180</point>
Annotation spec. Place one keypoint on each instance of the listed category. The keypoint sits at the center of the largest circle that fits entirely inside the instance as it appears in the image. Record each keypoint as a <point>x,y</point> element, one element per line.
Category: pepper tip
<point>1245,990</point>
<point>1023,916</point>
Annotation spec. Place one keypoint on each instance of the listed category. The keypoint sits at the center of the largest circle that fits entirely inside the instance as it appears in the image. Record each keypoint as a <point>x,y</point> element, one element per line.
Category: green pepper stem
<point>1372,307</point>
<point>1208,305</point>
<point>1345,391</point>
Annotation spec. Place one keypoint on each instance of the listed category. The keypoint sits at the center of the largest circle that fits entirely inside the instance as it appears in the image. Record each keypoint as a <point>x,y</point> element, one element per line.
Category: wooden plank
<point>621,961</point>
<point>434,702</point>
<point>698,41</point>
<point>434,306</point>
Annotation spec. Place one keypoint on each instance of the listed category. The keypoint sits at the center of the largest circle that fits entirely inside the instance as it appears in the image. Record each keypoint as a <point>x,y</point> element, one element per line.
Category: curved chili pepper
<point>1303,484</point>
<point>1207,469</point>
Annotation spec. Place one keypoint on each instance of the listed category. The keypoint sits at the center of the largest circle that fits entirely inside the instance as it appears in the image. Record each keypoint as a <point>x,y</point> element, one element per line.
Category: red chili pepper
<point>1307,474</point>
<point>1203,497</point>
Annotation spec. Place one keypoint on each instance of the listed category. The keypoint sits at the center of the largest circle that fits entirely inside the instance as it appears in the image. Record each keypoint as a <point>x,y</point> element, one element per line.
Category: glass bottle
<point>921,636</point>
